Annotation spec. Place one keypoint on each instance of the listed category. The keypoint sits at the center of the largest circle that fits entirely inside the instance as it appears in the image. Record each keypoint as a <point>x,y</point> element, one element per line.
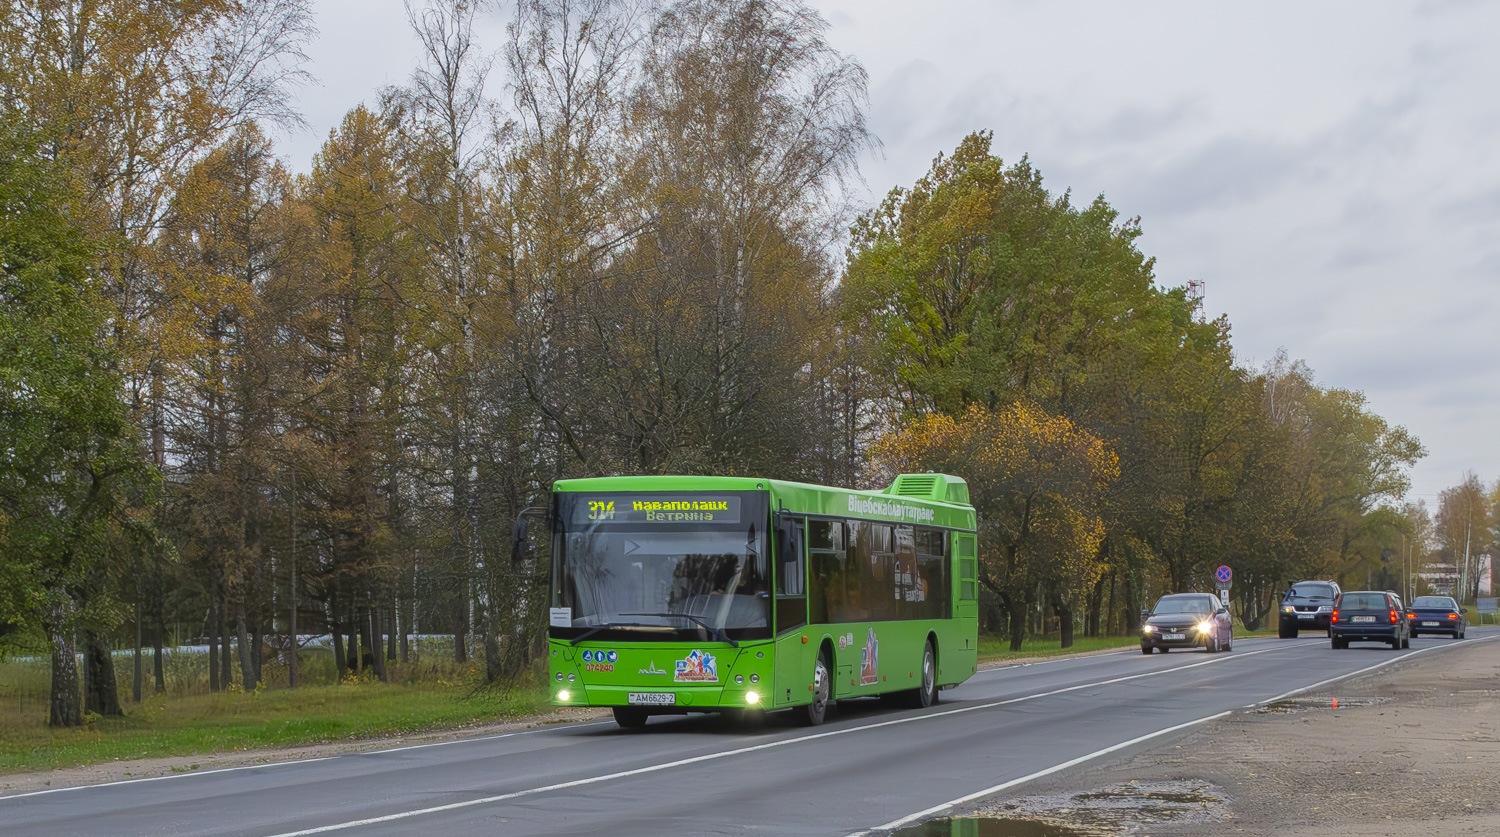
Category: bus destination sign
<point>635,508</point>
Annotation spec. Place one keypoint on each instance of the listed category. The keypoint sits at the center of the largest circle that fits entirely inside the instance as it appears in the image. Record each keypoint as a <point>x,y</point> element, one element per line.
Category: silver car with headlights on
<point>1187,620</point>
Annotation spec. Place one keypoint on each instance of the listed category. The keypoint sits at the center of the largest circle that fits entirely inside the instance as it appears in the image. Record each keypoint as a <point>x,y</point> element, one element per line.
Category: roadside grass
<point>997,648</point>
<point>175,723</point>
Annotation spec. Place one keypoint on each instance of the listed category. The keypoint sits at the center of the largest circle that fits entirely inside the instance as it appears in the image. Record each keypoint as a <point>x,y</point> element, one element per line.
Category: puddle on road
<point>991,827</point>
<point>1097,813</point>
<point>1307,704</point>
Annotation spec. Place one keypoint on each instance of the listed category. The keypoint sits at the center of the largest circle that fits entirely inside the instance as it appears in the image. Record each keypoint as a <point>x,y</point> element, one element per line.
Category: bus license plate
<point>1362,619</point>
<point>1171,636</point>
<point>652,699</point>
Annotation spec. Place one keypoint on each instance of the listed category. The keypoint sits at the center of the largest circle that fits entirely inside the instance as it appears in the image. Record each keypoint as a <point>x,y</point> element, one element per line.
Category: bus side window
<point>791,576</point>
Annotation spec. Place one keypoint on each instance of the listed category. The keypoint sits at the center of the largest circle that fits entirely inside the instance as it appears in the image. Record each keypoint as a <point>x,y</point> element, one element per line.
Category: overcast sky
<point>1330,170</point>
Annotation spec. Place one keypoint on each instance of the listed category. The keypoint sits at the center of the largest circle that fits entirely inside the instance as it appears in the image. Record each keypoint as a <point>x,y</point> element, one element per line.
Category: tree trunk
<point>158,663</point>
<point>102,693</point>
<point>139,674</point>
<point>213,646</point>
<point>1064,619</point>
<point>257,650</point>
<point>226,656</point>
<point>390,647</point>
<point>1096,607</point>
<point>242,637</point>
<point>403,627</point>
<point>357,641</point>
<point>340,662</point>
<point>461,630</point>
<point>377,645</point>
<point>1018,608</point>
<point>64,707</point>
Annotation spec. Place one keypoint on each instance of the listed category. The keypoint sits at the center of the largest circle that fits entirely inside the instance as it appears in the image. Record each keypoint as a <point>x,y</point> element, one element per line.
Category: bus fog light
<point>755,678</point>
<point>559,677</point>
<point>562,694</point>
<point>572,677</point>
<point>752,697</point>
<point>739,678</point>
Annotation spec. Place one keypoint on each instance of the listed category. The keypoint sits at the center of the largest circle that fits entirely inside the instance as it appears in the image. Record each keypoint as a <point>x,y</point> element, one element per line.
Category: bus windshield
<point>679,566</point>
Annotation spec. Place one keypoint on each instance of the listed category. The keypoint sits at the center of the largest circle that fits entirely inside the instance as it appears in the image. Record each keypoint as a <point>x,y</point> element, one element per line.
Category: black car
<point>1437,615</point>
<point>1187,620</point>
<point>1369,616</point>
<point>1306,606</point>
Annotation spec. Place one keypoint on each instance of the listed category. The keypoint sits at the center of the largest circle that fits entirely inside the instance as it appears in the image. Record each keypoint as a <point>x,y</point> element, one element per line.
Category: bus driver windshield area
<point>662,566</point>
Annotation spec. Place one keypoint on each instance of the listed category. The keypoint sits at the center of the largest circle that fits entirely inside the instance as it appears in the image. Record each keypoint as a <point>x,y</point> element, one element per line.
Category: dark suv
<point>1306,606</point>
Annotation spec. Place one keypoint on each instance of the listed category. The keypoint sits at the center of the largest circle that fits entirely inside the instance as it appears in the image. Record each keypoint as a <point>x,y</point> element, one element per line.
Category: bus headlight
<point>752,697</point>
<point>562,694</point>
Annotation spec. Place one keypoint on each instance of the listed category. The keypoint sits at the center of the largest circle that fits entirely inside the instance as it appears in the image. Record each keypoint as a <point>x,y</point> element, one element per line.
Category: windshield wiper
<point>606,626</point>
<point>717,633</point>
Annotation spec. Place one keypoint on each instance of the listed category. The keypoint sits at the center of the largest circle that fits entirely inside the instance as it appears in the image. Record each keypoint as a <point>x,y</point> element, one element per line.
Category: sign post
<point>1484,606</point>
<point>1223,578</point>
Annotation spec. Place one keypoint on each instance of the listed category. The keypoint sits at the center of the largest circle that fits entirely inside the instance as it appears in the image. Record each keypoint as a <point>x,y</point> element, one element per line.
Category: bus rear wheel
<point>927,694</point>
<point>630,717</point>
<point>813,714</point>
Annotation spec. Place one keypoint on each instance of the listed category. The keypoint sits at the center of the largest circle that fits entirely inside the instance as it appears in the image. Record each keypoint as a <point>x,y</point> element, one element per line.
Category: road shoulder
<point>1411,748</point>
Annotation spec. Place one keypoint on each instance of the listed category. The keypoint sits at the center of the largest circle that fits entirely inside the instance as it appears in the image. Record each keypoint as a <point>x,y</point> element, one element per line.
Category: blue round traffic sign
<point>1224,574</point>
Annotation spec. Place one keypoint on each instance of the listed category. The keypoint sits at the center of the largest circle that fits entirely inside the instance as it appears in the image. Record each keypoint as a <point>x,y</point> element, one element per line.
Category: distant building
<point>1442,577</point>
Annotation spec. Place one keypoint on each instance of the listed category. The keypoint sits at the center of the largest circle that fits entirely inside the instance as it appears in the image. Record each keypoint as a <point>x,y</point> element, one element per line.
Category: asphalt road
<point>871,767</point>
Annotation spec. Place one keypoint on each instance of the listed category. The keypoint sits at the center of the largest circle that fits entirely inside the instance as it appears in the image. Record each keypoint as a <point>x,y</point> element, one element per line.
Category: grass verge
<point>187,719</point>
<point>997,649</point>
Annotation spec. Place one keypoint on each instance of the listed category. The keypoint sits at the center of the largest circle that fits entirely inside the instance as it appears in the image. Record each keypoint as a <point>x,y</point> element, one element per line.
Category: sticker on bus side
<point>698,667</point>
<point>869,660</point>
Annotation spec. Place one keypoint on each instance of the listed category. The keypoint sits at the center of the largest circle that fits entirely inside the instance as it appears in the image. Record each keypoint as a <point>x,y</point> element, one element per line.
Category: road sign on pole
<point>1223,577</point>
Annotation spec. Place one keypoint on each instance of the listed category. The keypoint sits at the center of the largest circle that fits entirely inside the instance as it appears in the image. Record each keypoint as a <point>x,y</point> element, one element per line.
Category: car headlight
<point>1205,626</point>
<point>1147,628</point>
<point>1288,609</point>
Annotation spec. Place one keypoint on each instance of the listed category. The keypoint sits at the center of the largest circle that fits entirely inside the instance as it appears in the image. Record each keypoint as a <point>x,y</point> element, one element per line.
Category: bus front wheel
<point>813,714</point>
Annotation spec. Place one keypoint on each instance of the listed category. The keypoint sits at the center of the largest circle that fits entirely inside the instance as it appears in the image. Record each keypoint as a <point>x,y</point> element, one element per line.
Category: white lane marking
<point>894,824</point>
<point>756,748</point>
<point>195,773</point>
<point>1131,650</point>
<point>1380,664</point>
<point>159,778</point>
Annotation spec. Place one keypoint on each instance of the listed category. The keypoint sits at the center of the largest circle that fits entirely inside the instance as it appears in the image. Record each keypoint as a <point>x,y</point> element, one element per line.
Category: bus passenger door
<point>965,605</point>
<point>793,662</point>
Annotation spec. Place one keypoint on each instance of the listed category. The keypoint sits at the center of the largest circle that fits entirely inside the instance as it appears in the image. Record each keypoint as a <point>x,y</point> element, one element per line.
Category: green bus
<point>676,594</point>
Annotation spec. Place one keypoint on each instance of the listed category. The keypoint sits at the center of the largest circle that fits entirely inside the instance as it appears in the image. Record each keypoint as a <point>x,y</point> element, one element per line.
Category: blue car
<point>1437,615</point>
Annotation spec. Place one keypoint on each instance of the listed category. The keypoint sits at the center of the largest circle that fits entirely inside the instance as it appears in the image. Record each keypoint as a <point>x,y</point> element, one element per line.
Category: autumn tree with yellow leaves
<point>1038,483</point>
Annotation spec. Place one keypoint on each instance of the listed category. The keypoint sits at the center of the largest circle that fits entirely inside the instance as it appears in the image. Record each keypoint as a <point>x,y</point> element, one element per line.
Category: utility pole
<point>1468,527</point>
